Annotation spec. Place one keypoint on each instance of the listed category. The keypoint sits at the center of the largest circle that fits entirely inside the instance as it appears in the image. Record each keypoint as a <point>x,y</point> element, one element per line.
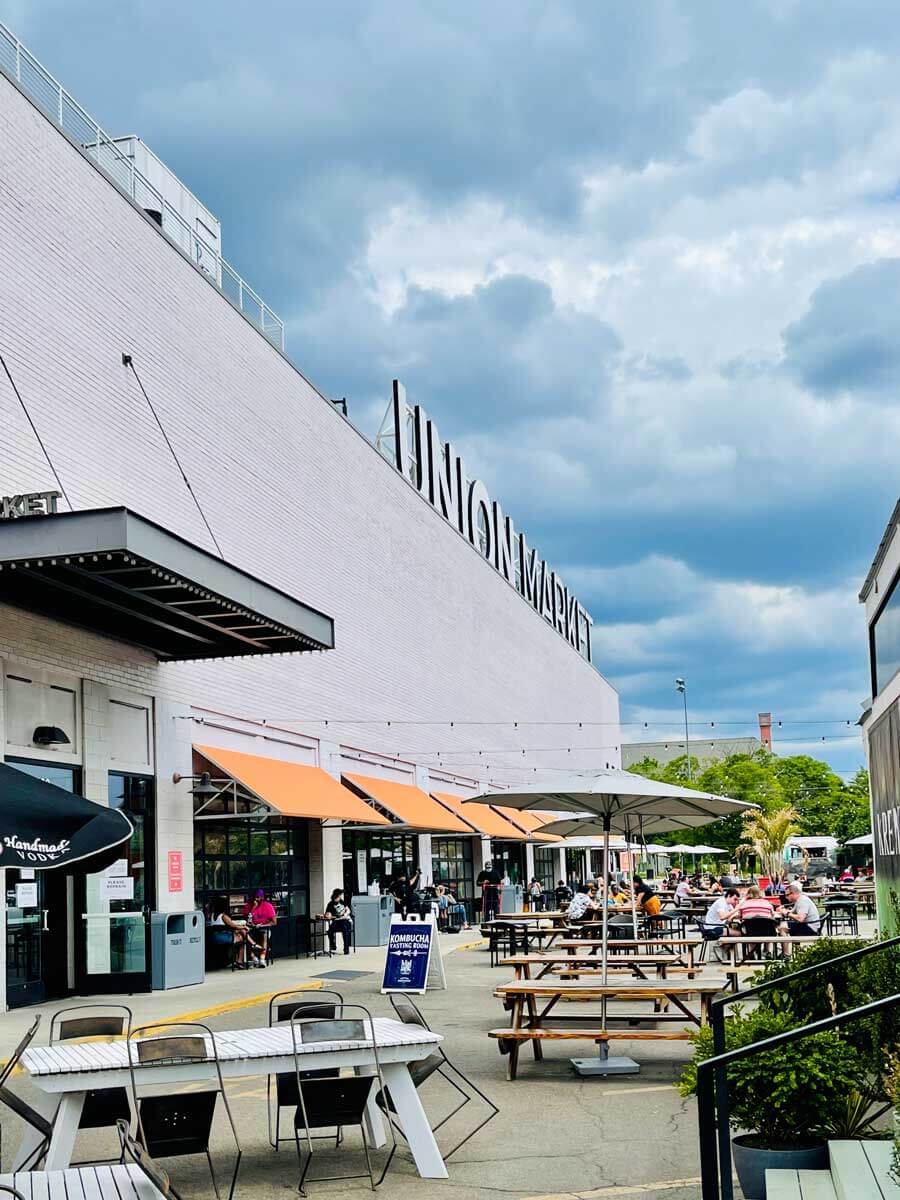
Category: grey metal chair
<point>22,1108</point>
<point>335,1102</point>
<point>436,1063</point>
<point>283,1007</point>
<point>181,1123</point>
<point>103,1107</point>
<point>132,1149</point>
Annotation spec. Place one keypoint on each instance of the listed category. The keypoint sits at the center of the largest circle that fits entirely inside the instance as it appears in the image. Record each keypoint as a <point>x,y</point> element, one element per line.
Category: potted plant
<point>783,1102</point>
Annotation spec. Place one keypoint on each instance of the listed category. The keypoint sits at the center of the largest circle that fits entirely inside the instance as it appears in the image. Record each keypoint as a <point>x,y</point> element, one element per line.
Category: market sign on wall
<point>29,504</point>
<point>439,474</point>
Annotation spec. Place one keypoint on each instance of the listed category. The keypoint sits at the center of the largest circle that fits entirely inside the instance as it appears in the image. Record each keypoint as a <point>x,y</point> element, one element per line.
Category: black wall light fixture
<point>50,735</point>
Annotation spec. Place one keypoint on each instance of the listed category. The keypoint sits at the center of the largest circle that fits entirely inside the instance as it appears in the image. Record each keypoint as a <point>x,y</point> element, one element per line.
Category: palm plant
<point>768,833</point>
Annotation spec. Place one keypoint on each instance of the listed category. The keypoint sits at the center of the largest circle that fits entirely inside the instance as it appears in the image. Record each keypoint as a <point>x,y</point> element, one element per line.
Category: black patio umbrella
<point>43,826</point>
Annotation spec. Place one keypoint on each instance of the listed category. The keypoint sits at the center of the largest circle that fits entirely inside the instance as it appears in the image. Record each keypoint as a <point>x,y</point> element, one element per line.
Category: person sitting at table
<point>802,917</point>
<point>582,907</point>
<point>615,894</point>
<point>756,914</point>
<point>562,895</point>
<point>719,916</point>
<point>848,875</point>
<point>227,932</point>
<point>261,917</point>
<point>684,891</point>
<point>645,898</point>
<point>450,911</point>
<point>340,921</point>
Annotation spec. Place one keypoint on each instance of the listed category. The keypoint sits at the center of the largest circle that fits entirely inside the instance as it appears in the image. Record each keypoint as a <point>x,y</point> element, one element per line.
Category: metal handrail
<point>59,106</point>
<point>715,1144</point>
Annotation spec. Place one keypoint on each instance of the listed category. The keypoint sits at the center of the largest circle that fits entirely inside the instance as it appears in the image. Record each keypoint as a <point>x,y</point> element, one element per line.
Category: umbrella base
<point>604,1065</point>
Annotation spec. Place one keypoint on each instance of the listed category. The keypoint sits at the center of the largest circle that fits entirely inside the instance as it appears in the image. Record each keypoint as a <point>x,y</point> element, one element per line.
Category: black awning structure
<point>117,574</point>
<point>43,826</point>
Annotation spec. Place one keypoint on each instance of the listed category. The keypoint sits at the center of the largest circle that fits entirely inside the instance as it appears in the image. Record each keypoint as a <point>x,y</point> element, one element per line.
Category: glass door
<point>114,904</point>
<point>37,914</point>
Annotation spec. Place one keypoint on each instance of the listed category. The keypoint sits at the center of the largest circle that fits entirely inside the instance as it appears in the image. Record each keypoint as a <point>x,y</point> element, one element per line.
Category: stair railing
<point>712,1080</point>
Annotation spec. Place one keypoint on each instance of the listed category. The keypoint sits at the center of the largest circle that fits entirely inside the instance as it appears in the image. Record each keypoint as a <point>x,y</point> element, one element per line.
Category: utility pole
<point>681,686</point>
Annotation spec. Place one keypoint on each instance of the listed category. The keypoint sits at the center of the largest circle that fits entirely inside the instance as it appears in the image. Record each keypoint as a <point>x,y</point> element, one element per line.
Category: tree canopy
<point>825,804</point>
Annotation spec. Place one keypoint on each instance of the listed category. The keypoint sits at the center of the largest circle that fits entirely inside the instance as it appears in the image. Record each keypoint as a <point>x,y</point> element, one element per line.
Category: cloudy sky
<point>642,261</point>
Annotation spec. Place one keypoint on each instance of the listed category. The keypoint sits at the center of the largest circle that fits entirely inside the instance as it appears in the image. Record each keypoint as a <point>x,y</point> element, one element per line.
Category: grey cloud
<point>500,355</point>
<point>653,367</point>
<point>849,339</point>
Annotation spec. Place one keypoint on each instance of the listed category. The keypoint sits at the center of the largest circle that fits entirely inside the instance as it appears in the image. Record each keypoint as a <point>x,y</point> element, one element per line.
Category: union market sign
<point>439,474</point>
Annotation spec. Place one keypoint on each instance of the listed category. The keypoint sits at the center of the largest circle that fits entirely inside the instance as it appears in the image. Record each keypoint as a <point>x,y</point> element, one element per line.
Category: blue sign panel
<point>408,951</point>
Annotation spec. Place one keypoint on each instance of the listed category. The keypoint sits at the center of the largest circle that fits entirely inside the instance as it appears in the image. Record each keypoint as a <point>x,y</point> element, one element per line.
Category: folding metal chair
<point>103,1107</point>
<point>133,1150</point>
<point>21,1107</point>
<point>335,1103</point>
<point>759,927</point>
<point>283,1007</point>
<point>436,1063</point>
<point>179,1123</point>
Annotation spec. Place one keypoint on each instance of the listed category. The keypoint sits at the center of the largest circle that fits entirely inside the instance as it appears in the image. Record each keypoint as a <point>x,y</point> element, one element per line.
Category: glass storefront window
<point>451,863</point>
<point>377,857</point>
<point>509,859</point>
<point>236,857</point>
<point>546,866</point>
<point>884,641</point>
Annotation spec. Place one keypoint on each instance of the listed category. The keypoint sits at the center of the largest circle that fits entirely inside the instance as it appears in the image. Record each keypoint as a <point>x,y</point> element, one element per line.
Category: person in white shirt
<point>718,917</point>
<point>684,891</point>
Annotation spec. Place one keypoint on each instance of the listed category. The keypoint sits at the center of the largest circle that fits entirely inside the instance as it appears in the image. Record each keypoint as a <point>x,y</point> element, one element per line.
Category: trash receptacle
<point>372,919</point>
<point>511,895</point>
<point>177,944</point>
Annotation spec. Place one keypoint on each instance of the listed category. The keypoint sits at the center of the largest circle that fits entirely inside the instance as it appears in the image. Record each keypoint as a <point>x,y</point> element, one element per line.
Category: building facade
<point>131,366</point>
<point>881,718</point>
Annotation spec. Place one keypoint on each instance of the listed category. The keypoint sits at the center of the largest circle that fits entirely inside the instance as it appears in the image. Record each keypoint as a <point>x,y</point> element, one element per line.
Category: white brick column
<point>326,842</point>
<point>423,781</point>
<point>561,851</point>
<point>529,864</point>
<point>174,804</point>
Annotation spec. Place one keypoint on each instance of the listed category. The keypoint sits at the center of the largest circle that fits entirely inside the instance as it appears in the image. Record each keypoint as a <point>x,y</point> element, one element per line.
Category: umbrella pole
<point>603,1064</point>
<point>634,928</point>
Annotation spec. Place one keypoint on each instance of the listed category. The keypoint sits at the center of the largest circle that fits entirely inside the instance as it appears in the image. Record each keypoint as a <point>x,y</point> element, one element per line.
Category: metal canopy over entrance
<point>120,575</point>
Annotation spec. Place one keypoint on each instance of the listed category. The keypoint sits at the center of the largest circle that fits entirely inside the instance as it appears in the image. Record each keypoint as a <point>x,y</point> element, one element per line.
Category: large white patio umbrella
<point>615,801</point>
<point>864,840</point>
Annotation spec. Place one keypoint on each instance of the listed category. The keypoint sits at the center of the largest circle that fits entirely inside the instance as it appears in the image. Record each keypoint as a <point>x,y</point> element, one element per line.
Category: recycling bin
<point>177,943</point>
<point>511,897</point>
<point>372,919</point>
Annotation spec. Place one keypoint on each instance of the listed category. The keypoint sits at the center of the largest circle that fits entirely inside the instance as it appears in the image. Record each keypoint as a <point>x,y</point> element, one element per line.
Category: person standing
<point>536,895</point>
<point>489,882</point>
<point>340,921</point>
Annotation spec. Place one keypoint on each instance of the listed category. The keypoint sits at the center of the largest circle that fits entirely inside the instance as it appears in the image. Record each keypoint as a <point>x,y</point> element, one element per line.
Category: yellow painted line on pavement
<point>217,1010</point>
<point>634,1189</point>
<point>468,945</point>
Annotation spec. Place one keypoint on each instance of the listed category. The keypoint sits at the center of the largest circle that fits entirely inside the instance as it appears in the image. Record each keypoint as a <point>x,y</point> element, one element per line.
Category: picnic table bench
<point>525,994</point>
<point>679,949</point>
<point>115,1182</point>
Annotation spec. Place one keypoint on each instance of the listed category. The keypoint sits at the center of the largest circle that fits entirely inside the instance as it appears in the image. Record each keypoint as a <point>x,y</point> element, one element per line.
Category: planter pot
<point>751,1164</point>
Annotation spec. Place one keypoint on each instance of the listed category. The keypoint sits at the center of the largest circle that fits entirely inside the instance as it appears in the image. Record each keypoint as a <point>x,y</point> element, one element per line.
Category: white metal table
<point>84,1183</point>
<point>69,1071</point>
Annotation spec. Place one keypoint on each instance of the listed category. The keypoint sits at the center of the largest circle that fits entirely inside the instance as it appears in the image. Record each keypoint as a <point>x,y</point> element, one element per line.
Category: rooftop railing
<point>61,108</point>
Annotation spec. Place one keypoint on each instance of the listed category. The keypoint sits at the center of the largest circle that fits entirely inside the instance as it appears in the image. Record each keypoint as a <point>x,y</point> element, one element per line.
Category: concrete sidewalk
<point>557,1136</point>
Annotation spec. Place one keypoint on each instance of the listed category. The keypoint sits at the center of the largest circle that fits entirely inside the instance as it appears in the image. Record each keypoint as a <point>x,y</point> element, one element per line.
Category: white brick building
<point>439,665</point>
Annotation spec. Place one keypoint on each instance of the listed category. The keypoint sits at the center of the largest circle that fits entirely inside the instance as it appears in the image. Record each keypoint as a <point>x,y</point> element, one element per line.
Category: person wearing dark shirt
<point>489,881</point>
<point>340,920</point>
<point>562,895</point>
<point>645,898</point>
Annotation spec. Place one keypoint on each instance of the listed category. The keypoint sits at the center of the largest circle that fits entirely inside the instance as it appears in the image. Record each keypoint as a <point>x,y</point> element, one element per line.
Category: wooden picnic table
<point>533,1028</point>
<point>570,965</point>
<point>557,916</point>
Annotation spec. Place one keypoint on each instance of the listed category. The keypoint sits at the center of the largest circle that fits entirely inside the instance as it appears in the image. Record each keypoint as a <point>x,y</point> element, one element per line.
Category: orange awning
<point>486,820</point>
<point>292,789</point>
<point>530,823</point>
<point>409,804</point>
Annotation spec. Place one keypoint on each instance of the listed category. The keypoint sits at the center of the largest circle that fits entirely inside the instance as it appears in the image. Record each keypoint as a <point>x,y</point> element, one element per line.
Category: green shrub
<point>789,1097</point>
<point>842,987</point>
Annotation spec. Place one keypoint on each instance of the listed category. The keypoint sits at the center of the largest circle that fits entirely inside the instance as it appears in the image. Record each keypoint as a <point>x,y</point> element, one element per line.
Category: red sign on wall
<point>176,871</point>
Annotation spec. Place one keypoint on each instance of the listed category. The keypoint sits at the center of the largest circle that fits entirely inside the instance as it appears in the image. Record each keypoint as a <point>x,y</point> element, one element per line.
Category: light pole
<point>681,686</point>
